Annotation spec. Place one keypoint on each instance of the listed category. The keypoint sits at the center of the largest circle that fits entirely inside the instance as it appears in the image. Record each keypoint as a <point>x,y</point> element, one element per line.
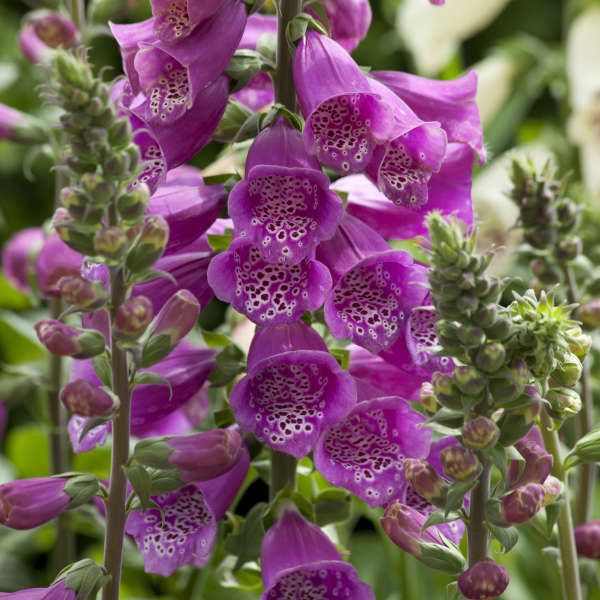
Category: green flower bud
<point>83,293</point>
<point>480,433</point>
<point>450,273</point>
<point>149,244</point>
<point>119,133</point>
<point>84,577</point>
<point>466,281</point>
<point>486,316</point>
<point>459,463</point>
<point>73,71</point>
<point>467,304</point>
<point>470,335</point>
<point>586,450</point>
<point>567,214</point>
<point>545,272</point>
<point>568,371</point>
<point>509,383</point>
<point>445,391</point>
<point>500,330</point>
<point>568,249</point>
<point>79,238</point>
<point>101,192</point>
<point>589,313</point>
<point>117,166</point>
<point>424,480</point>
<point>111,243</point>
<point>469,380</point>
<point>132,204</point>
<point>79,207</point>
<point>490,358</point>
<point>564,402</point>
<point>579,342</point>
<point>427,397</point>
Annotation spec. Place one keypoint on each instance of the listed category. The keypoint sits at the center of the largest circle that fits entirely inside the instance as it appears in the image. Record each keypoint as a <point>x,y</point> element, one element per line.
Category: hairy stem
<point>284,80</point>
<point>283,466</point>
<point>566,539</point>
<point>585,482</point>
<point>478,537</point>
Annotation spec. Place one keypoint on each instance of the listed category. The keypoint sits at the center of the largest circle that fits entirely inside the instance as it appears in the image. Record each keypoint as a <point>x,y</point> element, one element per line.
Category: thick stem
<point>284,80</point>
<point>283,472</point>
<point>566,539</point>
<point>115,508</point>
<point>478,536</point>
<point>585,482</point>
<point>283,466</point>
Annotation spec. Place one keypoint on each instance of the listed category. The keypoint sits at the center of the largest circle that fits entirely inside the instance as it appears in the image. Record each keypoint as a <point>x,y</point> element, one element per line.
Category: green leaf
<point>552,513</point>
<point>246,544</point>
<point>230,363</point>
<point>11,298</point>
<point>103,369</point>
<point>497,454</point>
<point>219,242</point>
<point>18,341</point>
<point>215,340</point>
<point>141,482</point>
<point>413,247</point>
<point>27,448</point>
<point>456,494</point>
<point>248,578</point>
<point>507,536</point>
<point>331,506</point>
<point>440,516</point>
<point>342,355</point>
<point>224,418</point>
<point>250,129</point>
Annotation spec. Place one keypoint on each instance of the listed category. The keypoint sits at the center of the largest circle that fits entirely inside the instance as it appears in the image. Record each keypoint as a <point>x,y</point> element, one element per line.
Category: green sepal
<point>219,242</point>
<point>85,577</point>
<point>342,355</point>
<point>149,275</point>
<point>151,378</point>
<point>440,516</point>
<point>223,418</point>
<point>244,65</point>
<point>552,514</point>
<point>103,369</point>
<point>141,482</point>
<point>230,363</point>
<point>586,450</point>
<point>81,488</point>
<point>506,536</point>
<point>245,544</point>
<point>448,558</point>
<point>456,493</point>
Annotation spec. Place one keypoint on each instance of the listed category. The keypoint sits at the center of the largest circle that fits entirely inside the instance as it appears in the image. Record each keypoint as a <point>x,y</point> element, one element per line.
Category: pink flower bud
<point>45,32</point>
<point>86,400</point>
<point>132,318</point>
<point>483,581</point>
<point>83,293</point>
<point>459,463</point>
<point>480,433</point>
<point>537,465</point>
<point>522,504</point>
<point>150,243</point>
<point>587,539</point>
<point>423,478</point>
<point>20,128</point>
<point>65,340</point>
<point>54,261</point>
<point>110,242</point>
<point>553,488</point>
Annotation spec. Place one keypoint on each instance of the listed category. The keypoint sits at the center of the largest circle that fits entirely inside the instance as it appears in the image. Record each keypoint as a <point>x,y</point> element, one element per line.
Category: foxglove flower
<point>20,128</point>
<point>349,21</point>
<point>189,532</point>
<point>294,388</point>
<point>82,398</point>
<point>259,92</point>
<point>538,463</point>
<point>522,504</point>
<point>587,539</point>
<point>18,257</point>
<point>451,102</point>
<point>64,340</point>
<point>54,261</point>
<point>28,503</point>
<point>267,293</point>
<point>404,526</point>
<point>299,561</point>
<point>374,287</point>
<point>283,205</point>
<point>448,191</point>
<point>57,591</point>
<point>365,451</point>
<point>483,581</point>
<point>43,33</point>
<point>345,118</point>
<point>188,208</point>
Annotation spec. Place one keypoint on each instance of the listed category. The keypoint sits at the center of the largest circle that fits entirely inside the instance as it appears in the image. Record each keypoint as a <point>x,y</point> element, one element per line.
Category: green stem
<point>566,539</point>
<point>283,466</point>
<point>585,482</point>
<point>77,10</point>
<point>284,80</point>
<point>478,536</point>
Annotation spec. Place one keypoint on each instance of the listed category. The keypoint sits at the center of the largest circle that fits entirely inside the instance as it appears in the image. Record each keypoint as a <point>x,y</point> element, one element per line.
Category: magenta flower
<point>374,289</point>
<point>345,118</point>
<point>20,128</point>
<point>259,91</point>
<point>449,191</point>
<point>84,399</point>
<point>365,451</point>
<point>483,581</point>
<point>451,102</point>
<point>57,591</point>
<point>18,257</point>
<point>522,504</point>
<point>293,389</point>
<point>188,205</point>
<point>64,340</point>
<point>298,560</point>
<point>54,261</point>
<point>267,293</point>
<point>538,464</point>
<point>43,33</point>
<point>349,21</point>
<point>189,532</point>
<point>283,205</point>
<point>587,539</point>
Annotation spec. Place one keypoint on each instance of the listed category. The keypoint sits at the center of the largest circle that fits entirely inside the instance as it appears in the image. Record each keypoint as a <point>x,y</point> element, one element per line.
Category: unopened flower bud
<point>547,273</point>
<point>469,380</point>
<point>587,539</point>
<point>480,433</point>
<point>553,488</point>
<point>568,249</point>
<point>21,128</point>
<point>515,423</point>
<point>132,318</point>
<point>467,304</point>
<point>483,581</point>
<point>110,242</point>
<point>78,238</point>
<point>459,463</point>
<point>100,191</point>
<point>564,402</point>
<point>79,207</point>
<point>132,204</point>
<point>64,340</point>
<point>445,391</point>
<point>566,212</point>
<point>509,383</point>
<point>522,504</point>
<point>486,316</point>
<point>579,342</point>
<point>82,579</point>
<point>589,313</point>
<point>470,335</point>
<point>44,32</point>
<point>73,71</point>
<point>424,479</point>
<point>427,397</point>
<point>500,330</point>
<point>537,465</point>
<point>28,503</point>
<point>149,245</point>
<point>82,398</point>
<point>83,293</point>
<point>175,319</point>
<point>490,358</point>
<point>540,238</point>
<point>119,133</point>
<point>197,457</point>
<point>568,371</point>
<point>117,166</point>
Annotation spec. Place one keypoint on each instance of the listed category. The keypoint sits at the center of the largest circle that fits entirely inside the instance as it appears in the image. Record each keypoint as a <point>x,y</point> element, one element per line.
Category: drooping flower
<point>374,288</point>
<point>345,117</point>
<point>44,32</point>
<point>448,191</point>
<point>82,398</point>
<point>18,255</point>
<point>187,204</point>
<point>28,503</point>
<point>538,462</point>
<point>267,293</point>
<point>293,389</point>
<point>283,205</point>
<point>298,560</point>
<point>451,102</point>
<point>522,504</point>
<point>259,92</point>
<point>365,451</point>
<point>54,261</point>
<point>189,531</point>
